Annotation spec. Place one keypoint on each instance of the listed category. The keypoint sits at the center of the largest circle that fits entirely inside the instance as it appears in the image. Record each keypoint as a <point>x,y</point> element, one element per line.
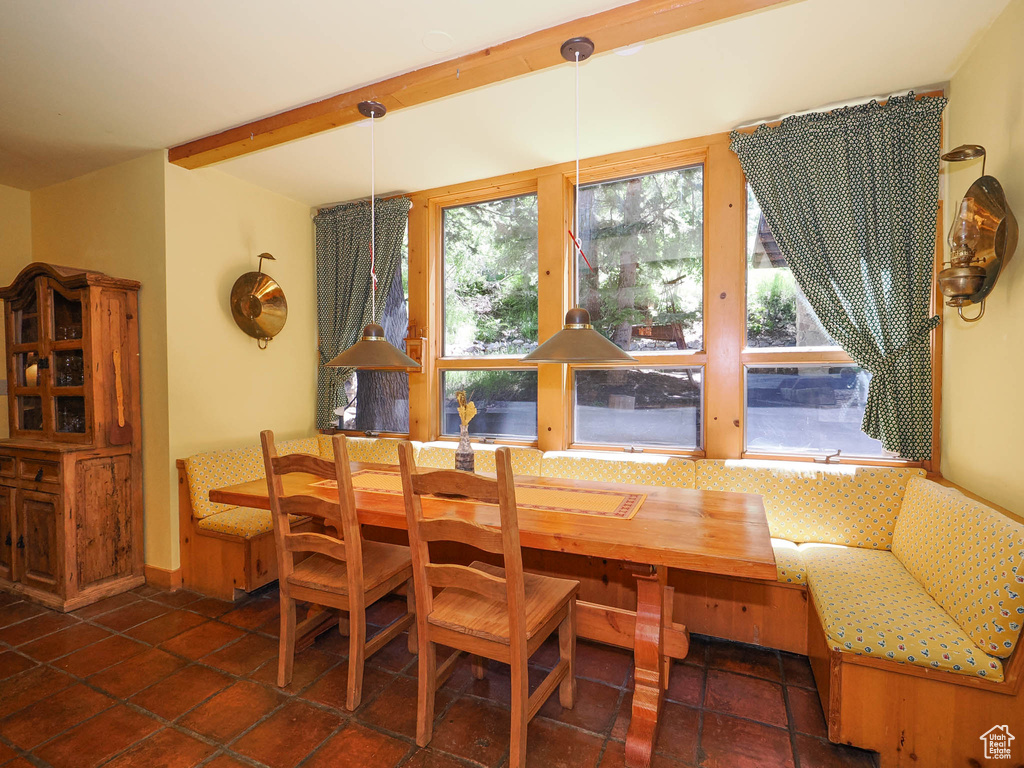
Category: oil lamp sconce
<point>981,241</point>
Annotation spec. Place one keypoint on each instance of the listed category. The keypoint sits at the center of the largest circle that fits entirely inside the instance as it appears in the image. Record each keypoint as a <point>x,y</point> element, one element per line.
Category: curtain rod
<point>882,99</point>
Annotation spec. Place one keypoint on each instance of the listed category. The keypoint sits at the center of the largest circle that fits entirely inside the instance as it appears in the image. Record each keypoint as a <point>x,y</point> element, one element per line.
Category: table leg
<point>649,682</point>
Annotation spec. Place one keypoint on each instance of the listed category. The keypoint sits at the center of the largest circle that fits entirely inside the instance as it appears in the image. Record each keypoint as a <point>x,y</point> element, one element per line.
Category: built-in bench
<point>907,595</point>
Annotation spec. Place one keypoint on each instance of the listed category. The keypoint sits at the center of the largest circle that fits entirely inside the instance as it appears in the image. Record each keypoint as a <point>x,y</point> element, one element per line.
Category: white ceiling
<point>87,84</point>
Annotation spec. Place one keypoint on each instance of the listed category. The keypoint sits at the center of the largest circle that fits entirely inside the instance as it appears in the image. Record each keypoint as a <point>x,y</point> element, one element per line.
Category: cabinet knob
<point>7,543</point>
<point>21,542</point>
<point>39,476</point>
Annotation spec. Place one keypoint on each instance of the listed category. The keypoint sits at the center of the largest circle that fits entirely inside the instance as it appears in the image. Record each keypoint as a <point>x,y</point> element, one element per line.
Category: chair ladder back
<point>351,531</point>
<point>451,481</point>
<point>463,577</point>
<point>511,588</point>
<point>515,585</point>
<point>275,489</point>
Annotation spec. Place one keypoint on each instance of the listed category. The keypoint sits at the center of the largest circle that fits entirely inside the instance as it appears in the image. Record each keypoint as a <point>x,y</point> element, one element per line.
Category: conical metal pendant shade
<point>578,343</point>
<point>374,352</point>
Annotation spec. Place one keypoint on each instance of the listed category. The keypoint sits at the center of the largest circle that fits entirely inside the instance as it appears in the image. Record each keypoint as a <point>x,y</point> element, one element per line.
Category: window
<point>506,403</point>
<point>808,409</point>
<point>641,278</point>
<point>641,407</point>
<point>683,274</point>
<point>490,277</point>
<point>778,313</point>
<point>644,240</point>
<point>378,401</point>
<point>814,405</point>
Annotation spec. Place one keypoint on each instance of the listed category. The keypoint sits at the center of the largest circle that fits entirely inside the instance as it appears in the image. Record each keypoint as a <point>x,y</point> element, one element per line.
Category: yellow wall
<point>983,363</point>
<point>112,221</point>
<point>15,253</point>
<point>223,389</point>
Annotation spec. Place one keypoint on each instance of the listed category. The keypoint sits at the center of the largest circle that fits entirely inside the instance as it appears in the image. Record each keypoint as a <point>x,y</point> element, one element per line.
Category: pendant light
<point>373,351</point>
<point>578,342</point>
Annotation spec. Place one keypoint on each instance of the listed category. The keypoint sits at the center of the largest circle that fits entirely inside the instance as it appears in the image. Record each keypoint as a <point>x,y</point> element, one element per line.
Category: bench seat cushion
<point>367,450</point>
<point>633,468</point>
<point>215,469</point>
<point>788,562</point>
<point>244,522</point>
<point>870,605</point>
<point>441,455</point>
<point>969,557</point>
<point>834,504</point>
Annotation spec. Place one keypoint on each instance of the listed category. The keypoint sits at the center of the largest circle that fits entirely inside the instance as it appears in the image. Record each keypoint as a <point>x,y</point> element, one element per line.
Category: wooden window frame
<point>724,356</point>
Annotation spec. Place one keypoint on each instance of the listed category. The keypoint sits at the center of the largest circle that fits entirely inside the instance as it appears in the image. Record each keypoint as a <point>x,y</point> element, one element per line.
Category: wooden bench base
<point>912,715</point>
<point>222,566</point>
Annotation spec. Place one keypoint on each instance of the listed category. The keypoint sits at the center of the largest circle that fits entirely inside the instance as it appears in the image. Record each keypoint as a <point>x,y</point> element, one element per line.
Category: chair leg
<point>567,650</point>
<point>286,645</point>
<point>410,602</point>
<point>427,671</point>
<point>520,714</point>
<point>479,666</point>
<point>356,656</point>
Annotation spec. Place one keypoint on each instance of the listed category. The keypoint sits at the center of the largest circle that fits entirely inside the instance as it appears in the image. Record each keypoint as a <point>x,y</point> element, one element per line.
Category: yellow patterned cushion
<point>215,469</point>
<point>368,450</point>
<point>441,455</point>
<point>788,563</point>
<point>634,468</point>
<point>835,504</point>
<point>871,605</point>
<point>969,557</point>
<point>244,522</point>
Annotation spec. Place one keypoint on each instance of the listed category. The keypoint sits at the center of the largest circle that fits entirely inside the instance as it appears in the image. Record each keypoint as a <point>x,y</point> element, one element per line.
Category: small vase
<point>464,453</point>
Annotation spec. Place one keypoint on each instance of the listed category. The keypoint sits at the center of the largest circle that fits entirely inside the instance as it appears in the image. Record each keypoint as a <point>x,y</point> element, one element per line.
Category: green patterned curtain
<point>343,285</point>
<point>851,196</point>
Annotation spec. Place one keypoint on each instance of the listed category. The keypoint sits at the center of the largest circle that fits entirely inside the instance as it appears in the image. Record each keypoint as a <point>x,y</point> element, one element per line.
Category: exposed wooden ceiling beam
<point>614,28</point>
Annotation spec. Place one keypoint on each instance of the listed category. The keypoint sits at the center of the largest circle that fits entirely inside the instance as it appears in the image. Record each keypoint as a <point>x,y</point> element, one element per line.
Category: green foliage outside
<point>644,239</point>
<point>771,311</point>
<point>490,277</point>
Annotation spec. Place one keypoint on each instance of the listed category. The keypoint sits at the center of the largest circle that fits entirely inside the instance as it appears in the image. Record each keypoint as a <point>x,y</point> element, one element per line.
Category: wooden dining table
<point>675,528</point>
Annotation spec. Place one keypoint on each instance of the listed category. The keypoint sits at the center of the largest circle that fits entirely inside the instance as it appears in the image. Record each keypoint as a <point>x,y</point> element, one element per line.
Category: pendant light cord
<point>373,229</point>
<point>576,226</point>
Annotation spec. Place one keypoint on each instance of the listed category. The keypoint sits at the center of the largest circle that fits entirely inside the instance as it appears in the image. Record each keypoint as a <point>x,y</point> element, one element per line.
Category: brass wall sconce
<point>258,304</point>
<point>981,241</point>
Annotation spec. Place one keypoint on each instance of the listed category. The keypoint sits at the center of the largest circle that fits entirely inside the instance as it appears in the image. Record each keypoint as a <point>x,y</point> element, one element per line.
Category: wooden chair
<point>345,573</point>
<point>487,611</point>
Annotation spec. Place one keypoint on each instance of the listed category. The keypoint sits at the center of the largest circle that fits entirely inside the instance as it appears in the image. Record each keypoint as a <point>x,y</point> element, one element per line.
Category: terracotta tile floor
<point>156,679</point>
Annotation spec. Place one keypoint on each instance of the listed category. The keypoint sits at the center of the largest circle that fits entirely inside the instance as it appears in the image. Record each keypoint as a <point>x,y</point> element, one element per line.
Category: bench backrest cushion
<point>215,469</point>
<point>969,557</point>
<point>633,468</point>
<point>827,504</point>
<point>367,450</point>
<point>441,455</point>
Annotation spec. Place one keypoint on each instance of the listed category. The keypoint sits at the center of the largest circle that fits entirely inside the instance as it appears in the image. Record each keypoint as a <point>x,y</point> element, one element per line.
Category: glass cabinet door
<point>67,317</point>
<point>26,319</point>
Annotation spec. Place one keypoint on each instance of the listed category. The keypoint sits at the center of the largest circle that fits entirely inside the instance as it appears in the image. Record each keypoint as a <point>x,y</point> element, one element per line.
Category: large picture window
<point>644,240</point>
<point>490,277</point>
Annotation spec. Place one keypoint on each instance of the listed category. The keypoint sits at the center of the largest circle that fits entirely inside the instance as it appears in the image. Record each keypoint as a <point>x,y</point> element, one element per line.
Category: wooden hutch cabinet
<point>71,472</point>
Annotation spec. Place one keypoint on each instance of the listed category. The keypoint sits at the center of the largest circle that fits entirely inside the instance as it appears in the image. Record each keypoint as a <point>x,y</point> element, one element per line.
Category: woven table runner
<point>546,498</point>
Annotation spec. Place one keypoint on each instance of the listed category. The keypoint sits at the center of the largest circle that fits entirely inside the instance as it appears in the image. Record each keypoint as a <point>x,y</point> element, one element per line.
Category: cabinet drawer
<point>39,470</point>
<point>6,466</point>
